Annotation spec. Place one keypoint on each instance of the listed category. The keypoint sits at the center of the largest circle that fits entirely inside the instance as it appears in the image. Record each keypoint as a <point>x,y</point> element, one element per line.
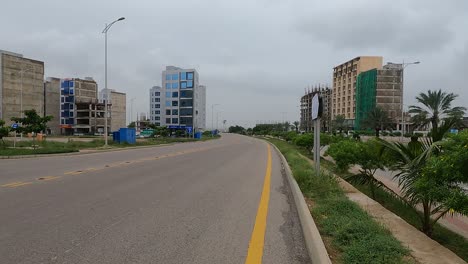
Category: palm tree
<point>296,125</point>
<point>436,106</point>
<point>417,187</point>
<point>376,119</point>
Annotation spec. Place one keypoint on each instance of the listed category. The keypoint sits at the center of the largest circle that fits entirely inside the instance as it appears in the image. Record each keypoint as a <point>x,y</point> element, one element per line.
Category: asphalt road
<point>185,203</point>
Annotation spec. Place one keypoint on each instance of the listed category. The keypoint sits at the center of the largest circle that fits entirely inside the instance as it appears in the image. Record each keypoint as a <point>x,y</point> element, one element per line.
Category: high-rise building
<point>344,85</point>
<point>306,108</point>
<point>380,88</point>
<point>178,100</point>
<point>118,108</point>
<point>21,85</point>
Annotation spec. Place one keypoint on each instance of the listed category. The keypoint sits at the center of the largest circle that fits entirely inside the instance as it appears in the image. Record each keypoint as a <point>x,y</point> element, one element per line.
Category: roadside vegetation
<point>430,170</point>
<point>351,232</point>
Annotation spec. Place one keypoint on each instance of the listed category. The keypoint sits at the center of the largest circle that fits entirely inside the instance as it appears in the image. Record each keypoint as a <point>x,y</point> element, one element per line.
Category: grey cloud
<point>385,26</point>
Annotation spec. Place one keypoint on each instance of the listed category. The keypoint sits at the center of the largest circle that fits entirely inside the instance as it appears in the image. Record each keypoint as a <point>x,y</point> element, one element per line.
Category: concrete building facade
<point>21,85</point>
<point>306,108</point>
<point>380,88</point>
<point>118,108</point>
<point>178,100</point>
<point>344,85</point>
<point>52,104</point>
<point>80,110</point>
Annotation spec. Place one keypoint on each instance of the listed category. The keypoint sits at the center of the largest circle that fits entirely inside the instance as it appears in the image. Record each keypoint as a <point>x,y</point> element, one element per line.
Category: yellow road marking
<point>9,184</point>
<point>73,172</point>
<point>257,241</point>
<point>16,184</point>
<point>49,178</point>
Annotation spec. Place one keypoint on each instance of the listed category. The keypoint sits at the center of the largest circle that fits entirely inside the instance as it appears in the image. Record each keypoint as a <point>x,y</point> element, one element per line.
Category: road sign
<point>315,106</point>
<point>14,125</point>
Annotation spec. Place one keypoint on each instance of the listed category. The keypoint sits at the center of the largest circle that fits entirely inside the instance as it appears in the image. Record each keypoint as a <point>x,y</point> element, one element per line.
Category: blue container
<point>116,136</point>
<point>198,135</point>
<point>124,135</point>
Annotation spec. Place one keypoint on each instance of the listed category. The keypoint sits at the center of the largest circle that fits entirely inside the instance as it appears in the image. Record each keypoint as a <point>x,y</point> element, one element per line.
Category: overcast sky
<point>255,57</point>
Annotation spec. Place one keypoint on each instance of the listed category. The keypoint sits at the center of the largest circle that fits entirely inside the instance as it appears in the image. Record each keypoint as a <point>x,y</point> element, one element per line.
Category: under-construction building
<point>80,110</point>
<point>306,108</point>
<point>379,88</point>
<point>344,85</point>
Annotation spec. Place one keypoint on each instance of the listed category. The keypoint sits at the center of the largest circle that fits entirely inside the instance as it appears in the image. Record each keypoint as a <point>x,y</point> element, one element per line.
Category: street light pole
<point>212,115</point>
<point>108,26</point>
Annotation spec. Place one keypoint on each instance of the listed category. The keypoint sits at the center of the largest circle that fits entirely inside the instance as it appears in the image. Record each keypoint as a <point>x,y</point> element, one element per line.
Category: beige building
<point>52,104</point>
<point>21,85</point>
<point>344,85</point>
<point>118,108</point>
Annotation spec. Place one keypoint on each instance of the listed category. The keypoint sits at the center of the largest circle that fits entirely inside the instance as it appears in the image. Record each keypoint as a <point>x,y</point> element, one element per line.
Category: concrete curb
<point>314,243</point>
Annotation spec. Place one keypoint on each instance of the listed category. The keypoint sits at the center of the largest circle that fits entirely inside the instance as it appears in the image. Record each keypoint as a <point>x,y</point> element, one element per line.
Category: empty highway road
<point>220,201</point>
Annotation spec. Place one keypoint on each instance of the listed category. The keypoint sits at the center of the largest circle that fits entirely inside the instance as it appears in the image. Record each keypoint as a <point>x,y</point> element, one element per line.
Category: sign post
<point>14,126</point>
<point>316,118</point>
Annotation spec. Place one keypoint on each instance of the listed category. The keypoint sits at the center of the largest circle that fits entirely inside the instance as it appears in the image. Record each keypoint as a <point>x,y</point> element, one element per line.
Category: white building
<point>180,97</point>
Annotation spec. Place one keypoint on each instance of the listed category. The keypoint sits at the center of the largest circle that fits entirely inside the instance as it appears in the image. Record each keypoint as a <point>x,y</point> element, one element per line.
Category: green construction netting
<point>366,83</point>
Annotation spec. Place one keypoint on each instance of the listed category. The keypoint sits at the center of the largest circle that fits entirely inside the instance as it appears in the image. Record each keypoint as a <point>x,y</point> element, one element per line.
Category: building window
<point>157,100</point>
<point>168,77</point>
<point>175,77</point>
<point>183,76</point>
<point>168,103</point>
<point>175,85</point>
<point>157,106</point>
<point>168,94</point>
<point>189,75</point>
<point>175,120</point>
<point>157,94</point>
<point>175,103</point>
<point>168,85</point>
<point>183,85</point>
<point>175,94</point>
<point>157,118</point>
<point>158,124</point>
<point>168,120</point>
<point>175,112</point>
<point>189,84</point>
<point>158,112</point>
<point>168,111</point>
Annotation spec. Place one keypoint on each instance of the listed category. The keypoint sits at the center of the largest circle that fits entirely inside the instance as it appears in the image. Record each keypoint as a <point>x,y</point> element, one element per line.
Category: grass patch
<point>352,232</point>
<point>447,238</point>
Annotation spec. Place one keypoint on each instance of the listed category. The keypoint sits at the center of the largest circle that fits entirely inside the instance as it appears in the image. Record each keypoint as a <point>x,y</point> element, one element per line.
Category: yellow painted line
<point>10,184</point>
<point>19,184</point>
<point>49,178</point>
<point>257,241</point>
<point>93,169</point>
<point>73,172</point>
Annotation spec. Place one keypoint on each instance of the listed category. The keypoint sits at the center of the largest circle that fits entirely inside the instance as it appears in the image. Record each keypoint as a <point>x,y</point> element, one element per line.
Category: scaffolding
<point>366,85</point>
